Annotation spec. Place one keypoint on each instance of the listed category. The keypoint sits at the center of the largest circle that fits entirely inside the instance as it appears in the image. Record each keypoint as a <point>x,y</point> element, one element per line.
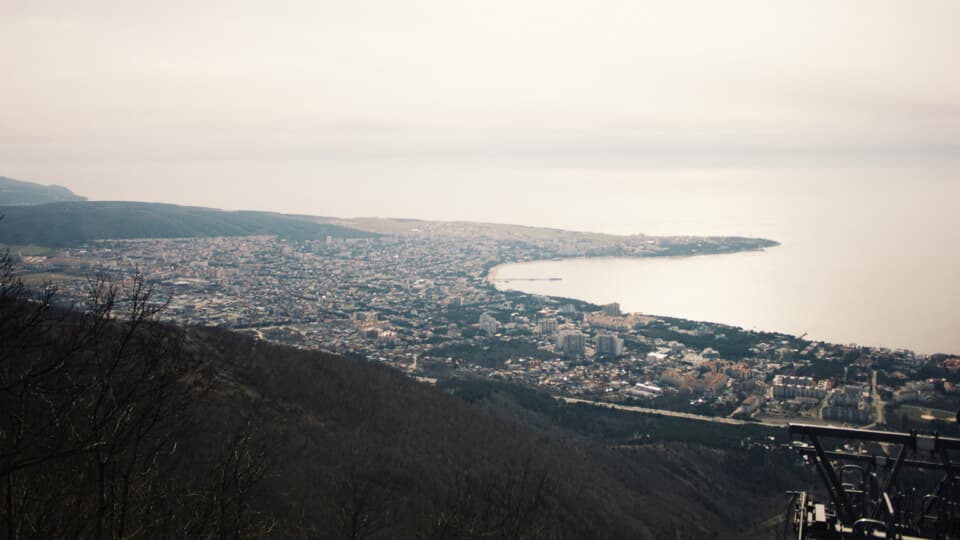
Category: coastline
<point>495,270</point>
<point>491,277</point>
<point>758,324</point>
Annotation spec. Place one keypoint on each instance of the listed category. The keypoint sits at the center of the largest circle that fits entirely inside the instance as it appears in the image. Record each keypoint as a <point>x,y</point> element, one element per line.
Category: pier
<point>507,280</point>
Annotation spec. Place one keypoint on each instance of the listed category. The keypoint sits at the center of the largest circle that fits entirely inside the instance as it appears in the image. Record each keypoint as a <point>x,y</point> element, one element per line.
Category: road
<point>879,420</point>
<point>674,414</point>
<point>877,402</point>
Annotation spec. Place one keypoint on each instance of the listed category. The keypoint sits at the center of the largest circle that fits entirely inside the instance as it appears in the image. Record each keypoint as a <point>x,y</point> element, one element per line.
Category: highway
<point>675,414</point>
<point>877,402</point>
<point>879,420</point>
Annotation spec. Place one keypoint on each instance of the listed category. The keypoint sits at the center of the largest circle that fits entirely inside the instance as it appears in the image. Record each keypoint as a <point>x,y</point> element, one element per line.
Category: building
<point>488,325</point>
<point>847,404</point>
<point>571,343</point>
<point>710,353</point>
<point>609,345</point>
<point>388,337</point>
<point>607,322</point>
<point>612,309</point>
<point>790,387</point>
<point>859,415</point>
<point>547,327</point>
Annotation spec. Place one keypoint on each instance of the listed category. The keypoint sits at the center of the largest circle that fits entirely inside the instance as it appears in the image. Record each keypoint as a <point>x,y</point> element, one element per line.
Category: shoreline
<point>495,270</point>
<point>491,277</point>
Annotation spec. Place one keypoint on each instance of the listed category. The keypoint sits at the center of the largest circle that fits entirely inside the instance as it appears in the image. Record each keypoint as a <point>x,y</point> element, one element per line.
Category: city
<point>422,298</point>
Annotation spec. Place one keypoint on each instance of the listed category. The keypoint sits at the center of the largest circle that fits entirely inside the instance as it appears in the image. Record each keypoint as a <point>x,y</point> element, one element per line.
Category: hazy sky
<point>408,107</point>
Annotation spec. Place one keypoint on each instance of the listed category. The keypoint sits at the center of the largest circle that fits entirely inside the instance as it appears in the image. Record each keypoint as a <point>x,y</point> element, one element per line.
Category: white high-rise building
<point>546,327</point>
<point>571,343</point>
<point>612,309</point>
<point>609,345</point>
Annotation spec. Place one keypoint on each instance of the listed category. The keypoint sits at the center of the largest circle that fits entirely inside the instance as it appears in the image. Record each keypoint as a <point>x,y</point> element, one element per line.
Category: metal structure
<point>879,484</point>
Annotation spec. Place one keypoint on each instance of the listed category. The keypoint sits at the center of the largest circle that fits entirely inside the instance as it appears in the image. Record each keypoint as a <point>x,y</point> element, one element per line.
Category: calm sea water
<point>867,256</point>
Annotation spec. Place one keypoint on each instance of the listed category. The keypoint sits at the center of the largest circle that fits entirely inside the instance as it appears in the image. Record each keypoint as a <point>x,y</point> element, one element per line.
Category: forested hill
<point>121,428</point>
<point>67,224</point>
<point>17,192</point>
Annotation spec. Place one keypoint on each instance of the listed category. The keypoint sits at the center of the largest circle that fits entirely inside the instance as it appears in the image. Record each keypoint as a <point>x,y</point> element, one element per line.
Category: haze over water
<point>867,255</point>
<point>829,126</point>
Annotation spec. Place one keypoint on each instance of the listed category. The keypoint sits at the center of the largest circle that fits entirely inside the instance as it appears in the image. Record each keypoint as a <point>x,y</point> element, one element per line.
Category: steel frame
<point>878,504</point>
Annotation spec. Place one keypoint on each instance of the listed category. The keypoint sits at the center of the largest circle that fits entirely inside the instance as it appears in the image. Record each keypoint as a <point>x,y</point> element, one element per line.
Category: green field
<point>923,414</point>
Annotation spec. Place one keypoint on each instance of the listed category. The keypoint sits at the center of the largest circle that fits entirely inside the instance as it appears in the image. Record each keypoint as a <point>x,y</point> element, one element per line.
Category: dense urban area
<point>422,297</point>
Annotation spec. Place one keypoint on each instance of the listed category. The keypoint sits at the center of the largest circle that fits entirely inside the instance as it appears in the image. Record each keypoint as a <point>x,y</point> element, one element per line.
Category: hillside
<point>500,230</point>
<point>135,428</point>
<point>73,223</point>
<point>19,193</point>
<point>552,243</point>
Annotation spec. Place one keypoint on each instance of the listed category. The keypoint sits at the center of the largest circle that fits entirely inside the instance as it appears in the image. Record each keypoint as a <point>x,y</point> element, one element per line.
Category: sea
<point>868,255</point>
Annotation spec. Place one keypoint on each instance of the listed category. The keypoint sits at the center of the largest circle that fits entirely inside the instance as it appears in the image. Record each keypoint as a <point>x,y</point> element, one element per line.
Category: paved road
<point>879,418</point>
<point>675,414</point>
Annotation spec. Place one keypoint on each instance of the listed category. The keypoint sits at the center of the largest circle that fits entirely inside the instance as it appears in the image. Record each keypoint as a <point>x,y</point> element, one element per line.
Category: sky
<point>435,108</point>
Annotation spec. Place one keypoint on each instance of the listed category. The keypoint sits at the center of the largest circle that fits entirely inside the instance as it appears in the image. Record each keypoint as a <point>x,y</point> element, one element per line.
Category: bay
<point>866,257</point>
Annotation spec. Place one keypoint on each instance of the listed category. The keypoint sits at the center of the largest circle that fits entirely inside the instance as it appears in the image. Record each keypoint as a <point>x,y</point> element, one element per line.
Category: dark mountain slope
<point>415,454</point>
<point>74,223</point>
<point>135,428</point>
<point>17,193</point>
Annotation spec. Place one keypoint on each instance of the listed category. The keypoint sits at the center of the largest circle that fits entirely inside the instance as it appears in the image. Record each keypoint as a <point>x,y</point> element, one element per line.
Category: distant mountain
<point>20,193</point>
<point>67,224</point>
